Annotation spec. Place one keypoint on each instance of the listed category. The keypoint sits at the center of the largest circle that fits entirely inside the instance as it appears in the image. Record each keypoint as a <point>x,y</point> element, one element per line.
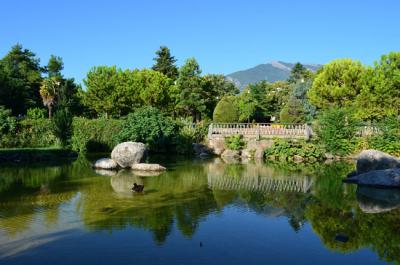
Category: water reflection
<point>256,177</point>
<point>40,201</point>
<point>373,200</point>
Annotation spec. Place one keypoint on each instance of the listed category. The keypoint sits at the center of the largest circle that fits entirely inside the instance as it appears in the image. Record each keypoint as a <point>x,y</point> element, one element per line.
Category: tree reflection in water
<point>190,191</point>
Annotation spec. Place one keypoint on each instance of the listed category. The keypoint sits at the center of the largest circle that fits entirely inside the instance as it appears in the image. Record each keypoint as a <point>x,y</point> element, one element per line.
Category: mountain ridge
<point>272,71</point>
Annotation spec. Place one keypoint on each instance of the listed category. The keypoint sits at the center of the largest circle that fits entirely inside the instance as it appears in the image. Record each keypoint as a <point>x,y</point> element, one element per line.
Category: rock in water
<point>231,153</point>
<point>105,163</point>
<point>375,160</point>
<point>147,167</point>
<point>128,153</point>
<point>378,178</point>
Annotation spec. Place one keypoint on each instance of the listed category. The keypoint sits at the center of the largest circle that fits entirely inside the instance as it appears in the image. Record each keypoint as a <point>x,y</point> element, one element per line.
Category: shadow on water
<point>191,190</point>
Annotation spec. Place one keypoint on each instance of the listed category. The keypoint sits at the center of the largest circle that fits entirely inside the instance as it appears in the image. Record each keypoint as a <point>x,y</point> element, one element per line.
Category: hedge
<point>94,135</point>
<point>30,133</point>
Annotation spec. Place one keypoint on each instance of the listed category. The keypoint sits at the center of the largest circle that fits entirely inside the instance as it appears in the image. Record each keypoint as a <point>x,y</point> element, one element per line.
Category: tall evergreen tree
<point>192,98</point>
<point>299,73</point>
<point>20,80</point>
<point>55,66</point>
<point>165,63</point>
<point>215,88</point>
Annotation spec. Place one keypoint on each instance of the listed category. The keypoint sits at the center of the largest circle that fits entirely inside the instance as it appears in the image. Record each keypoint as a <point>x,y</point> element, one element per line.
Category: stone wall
<point>254,148</point>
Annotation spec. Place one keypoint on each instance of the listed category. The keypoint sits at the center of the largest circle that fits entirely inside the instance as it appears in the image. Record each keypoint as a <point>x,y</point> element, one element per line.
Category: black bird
<point>137,188</point>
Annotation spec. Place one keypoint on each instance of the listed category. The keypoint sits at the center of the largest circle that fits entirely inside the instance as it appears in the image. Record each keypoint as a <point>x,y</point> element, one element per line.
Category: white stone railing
<point>258,130</point>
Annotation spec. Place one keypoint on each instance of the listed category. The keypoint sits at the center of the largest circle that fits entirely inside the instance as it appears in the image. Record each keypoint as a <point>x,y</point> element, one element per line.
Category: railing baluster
<point>271,130</point>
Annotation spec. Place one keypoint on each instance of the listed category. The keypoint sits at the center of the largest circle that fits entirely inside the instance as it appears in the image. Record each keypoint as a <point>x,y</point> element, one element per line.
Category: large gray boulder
<point>377,178</point>
<point>375,160</point>
<point>128,153</point>
<point>372,200</point>
<point>147,167</point>
<point>105,163</point>
<point>201,150</point>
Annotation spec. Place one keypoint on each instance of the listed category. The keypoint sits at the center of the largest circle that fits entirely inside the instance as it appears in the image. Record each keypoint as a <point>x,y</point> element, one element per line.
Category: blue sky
<point>224,36</point>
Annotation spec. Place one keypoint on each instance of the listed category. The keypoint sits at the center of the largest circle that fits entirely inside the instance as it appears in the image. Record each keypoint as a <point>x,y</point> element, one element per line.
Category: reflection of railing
<point>260,184</point>
<point>258,130</point>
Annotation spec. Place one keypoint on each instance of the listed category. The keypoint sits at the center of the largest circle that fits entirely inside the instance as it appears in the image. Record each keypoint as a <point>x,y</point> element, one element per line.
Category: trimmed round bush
<point>226,110</point>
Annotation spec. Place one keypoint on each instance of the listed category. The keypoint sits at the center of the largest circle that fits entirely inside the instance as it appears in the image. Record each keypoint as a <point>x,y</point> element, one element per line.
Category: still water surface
<point>198,212</point>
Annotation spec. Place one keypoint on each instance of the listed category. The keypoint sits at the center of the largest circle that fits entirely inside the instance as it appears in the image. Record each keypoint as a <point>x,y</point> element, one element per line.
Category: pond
<point>197,212</point>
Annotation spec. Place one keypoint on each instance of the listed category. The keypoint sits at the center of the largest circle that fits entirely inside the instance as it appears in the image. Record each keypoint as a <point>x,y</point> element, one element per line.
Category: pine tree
<point>55,66</point>
<point>298,73</point>
<point>165,63</point>
<point>192,98</point>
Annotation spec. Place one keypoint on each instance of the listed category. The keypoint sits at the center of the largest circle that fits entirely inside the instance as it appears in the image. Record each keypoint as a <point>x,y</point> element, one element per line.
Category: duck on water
<point>137,188</point>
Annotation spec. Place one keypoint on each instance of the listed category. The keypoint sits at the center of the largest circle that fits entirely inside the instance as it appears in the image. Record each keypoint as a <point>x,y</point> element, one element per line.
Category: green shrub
<point>36,114</point>
<point>293,111</point>
<point>388,140</point>
<point>197,132</point>
<point>24,132</point>
<point>94,135</point>
<point>36,133</point>
<point>182,143</point>
<point>7,121</point>
<point>287,149</point>
<point>148,125</point>
<point>337,129</point>
<point>62,126</point>
<point>235,142</point>
<point>226,110</point>
<point>189,133</point>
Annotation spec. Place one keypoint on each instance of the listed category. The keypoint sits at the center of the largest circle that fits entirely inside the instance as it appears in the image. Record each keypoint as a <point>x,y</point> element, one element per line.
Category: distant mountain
<point>271,72</point>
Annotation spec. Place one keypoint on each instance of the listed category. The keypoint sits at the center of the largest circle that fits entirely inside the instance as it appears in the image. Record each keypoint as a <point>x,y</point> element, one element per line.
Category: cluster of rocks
<point>127,155</point>
<point>376,169</point>
<point>254,150</point>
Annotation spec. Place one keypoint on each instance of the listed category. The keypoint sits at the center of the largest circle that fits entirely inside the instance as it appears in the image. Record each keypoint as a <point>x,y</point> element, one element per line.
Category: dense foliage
<point>62,126</point>
<point>298,109</point>
<point>20,79</point>
<point>25,133</point>
<point>287,150</point>
<point>150,126</point>
<point>338,84</point>
<point>235,142</point>
<point>184,101</point>
<point>94,135</point>
<point>380,96</point>
<point>337,129</point>
<point>388,137</point>
<point>7,121</point>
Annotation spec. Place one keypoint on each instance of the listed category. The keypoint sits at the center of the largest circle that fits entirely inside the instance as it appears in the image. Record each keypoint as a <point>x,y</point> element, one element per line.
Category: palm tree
<point>48,92</point>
